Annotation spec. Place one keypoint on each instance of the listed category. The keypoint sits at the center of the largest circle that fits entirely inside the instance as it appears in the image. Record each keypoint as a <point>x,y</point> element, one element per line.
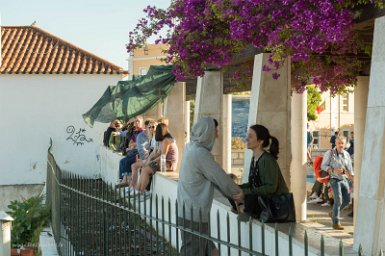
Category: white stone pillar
<point>187,122</point>
<point>360,106</point>
<point>155,113</point>
<point>370,223</point>
<point>209,102</point>
<point>226,116</point>
<point>299,158</point>
<point>270,106</point>
<point>175,112</point>
<point>5,233</point>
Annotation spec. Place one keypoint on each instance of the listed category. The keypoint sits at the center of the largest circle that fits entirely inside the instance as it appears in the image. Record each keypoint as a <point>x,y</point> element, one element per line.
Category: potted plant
<point>30,217</point>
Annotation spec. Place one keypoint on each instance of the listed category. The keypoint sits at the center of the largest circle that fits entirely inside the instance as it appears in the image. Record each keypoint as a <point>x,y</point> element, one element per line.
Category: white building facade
<point>46,85</point>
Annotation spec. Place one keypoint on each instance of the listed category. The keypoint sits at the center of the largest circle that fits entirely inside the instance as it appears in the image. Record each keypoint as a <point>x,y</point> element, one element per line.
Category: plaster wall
<point>10,193</point>
<point>35,108</point>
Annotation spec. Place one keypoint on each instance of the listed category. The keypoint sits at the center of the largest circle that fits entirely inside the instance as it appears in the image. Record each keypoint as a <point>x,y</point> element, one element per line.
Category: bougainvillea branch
<point>317,35</point>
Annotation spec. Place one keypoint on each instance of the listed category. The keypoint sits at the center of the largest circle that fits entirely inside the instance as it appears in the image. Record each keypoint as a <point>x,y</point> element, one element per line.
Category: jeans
<point>341,197</point>
<point>125,165</point>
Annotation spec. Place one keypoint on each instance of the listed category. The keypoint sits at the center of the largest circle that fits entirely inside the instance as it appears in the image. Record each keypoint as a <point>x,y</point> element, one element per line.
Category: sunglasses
<point>150,127</point>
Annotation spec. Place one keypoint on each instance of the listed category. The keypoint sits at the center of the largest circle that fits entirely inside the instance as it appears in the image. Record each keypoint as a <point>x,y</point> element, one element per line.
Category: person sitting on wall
<point>108,132</point>
<point>265,177</point>
<point>131,155</point>
<point>145,147</point>
<point>115,141</point>
<point>168,150</point>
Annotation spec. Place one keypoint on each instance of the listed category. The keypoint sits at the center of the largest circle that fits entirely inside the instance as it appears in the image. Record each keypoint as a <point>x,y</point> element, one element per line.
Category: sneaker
<point>313,196</point>
<point>126,191</point>
<point>315,200</point>
<point>338,227</point>
<point>133,191</point>
<point>326,204</point>
<point>143,197</point>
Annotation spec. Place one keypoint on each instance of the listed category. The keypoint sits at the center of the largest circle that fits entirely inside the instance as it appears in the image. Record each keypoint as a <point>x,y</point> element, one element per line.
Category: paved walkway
<point>318,219</point>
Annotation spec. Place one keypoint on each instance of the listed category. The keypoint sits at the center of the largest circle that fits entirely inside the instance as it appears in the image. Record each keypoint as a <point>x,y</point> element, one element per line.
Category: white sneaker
<point>133,191</point>
<point>143,197</point>
<point>313,196</point>
<point>326,204</point>
<point>315,200</point>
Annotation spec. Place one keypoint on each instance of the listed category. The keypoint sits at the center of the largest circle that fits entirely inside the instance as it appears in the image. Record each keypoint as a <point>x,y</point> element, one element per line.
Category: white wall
<point>35,108</point>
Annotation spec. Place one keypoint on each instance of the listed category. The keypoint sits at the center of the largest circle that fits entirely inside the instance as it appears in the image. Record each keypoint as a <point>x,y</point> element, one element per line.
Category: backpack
<point>321,175</point>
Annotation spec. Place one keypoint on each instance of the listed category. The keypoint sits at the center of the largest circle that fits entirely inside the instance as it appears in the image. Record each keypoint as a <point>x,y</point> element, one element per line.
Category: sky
<point>100,27</point>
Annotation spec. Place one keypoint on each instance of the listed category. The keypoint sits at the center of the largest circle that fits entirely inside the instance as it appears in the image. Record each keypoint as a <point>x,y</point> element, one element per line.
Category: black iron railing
<point>90,217</point>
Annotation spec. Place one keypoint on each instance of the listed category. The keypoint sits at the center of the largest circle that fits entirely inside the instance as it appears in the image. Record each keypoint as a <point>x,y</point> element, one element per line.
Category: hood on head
<point>203,132</point>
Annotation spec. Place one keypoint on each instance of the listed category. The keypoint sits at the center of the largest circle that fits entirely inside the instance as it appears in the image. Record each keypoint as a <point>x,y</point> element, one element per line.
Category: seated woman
<point>114,142</point>
<point>168,148</point>
<point>265,177</point>
<point>147,150</point>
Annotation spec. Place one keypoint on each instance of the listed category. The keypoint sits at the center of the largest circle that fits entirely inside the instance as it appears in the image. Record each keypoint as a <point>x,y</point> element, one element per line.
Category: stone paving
<point>319,220</point>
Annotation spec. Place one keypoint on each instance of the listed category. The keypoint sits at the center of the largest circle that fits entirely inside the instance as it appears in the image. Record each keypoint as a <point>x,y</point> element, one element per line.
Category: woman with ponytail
<point>265,177</point>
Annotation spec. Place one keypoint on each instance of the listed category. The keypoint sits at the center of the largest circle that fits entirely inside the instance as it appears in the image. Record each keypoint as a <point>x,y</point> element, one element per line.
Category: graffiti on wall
<point>77,137</point>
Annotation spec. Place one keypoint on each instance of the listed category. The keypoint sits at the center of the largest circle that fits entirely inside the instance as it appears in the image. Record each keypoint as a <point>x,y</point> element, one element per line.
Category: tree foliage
<point>314,99</point>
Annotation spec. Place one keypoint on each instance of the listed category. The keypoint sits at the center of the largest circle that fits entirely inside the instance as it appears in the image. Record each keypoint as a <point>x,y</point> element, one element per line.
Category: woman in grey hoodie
<point>199,174</point>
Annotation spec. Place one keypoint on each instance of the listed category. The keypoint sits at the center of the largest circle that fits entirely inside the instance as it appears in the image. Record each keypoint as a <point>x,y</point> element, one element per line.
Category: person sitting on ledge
<point>168,149</point>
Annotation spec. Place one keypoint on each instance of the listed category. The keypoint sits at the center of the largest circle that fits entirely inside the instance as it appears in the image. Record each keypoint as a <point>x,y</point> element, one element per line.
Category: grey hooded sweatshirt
<point>200,173</point>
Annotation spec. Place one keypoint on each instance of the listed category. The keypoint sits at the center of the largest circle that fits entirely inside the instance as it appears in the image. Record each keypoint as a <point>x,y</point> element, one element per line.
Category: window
<point>142,71</point>
<point>345,102</point>
<point>316,139</point>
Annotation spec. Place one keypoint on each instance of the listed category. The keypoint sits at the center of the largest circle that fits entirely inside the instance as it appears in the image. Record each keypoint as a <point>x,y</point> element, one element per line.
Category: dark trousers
<point>317,188</point>
<point>125,165</point>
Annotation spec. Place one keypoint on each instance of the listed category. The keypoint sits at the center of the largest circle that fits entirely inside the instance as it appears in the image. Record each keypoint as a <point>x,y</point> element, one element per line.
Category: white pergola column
<point>227,117</point>
<point>370,223</point>
<point>155,113</point>
<point>175,111</point>
<point>209,101</point>
<point>360,106</point>
<point>270,106</point>
<point>299,151</point>
<point>187,120</point>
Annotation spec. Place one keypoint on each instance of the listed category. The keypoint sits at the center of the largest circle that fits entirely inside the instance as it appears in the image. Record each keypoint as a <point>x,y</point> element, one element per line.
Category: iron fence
<point>91,217</point>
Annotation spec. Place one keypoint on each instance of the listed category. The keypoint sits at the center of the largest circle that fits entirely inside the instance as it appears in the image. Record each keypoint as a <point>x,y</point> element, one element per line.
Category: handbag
<point>277,208</point>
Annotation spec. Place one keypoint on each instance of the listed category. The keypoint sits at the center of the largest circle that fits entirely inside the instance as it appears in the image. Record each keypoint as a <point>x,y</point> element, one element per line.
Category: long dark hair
<point>263,134</point>
<point>162,132</point>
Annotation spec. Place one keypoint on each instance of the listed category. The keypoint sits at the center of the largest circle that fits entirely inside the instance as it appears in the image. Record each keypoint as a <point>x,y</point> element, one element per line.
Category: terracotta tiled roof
<point>31,50</point>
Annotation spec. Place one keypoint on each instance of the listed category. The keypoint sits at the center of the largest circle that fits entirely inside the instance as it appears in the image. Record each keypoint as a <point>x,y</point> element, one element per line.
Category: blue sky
<point>100,27</point>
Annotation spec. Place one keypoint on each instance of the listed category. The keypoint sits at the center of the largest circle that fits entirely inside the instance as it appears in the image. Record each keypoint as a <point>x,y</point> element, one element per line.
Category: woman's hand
<point>239,197</point>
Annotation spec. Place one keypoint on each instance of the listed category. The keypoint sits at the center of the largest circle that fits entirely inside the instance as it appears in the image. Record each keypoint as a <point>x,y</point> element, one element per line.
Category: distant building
<point>141,59</point>
<point>337,114</point>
